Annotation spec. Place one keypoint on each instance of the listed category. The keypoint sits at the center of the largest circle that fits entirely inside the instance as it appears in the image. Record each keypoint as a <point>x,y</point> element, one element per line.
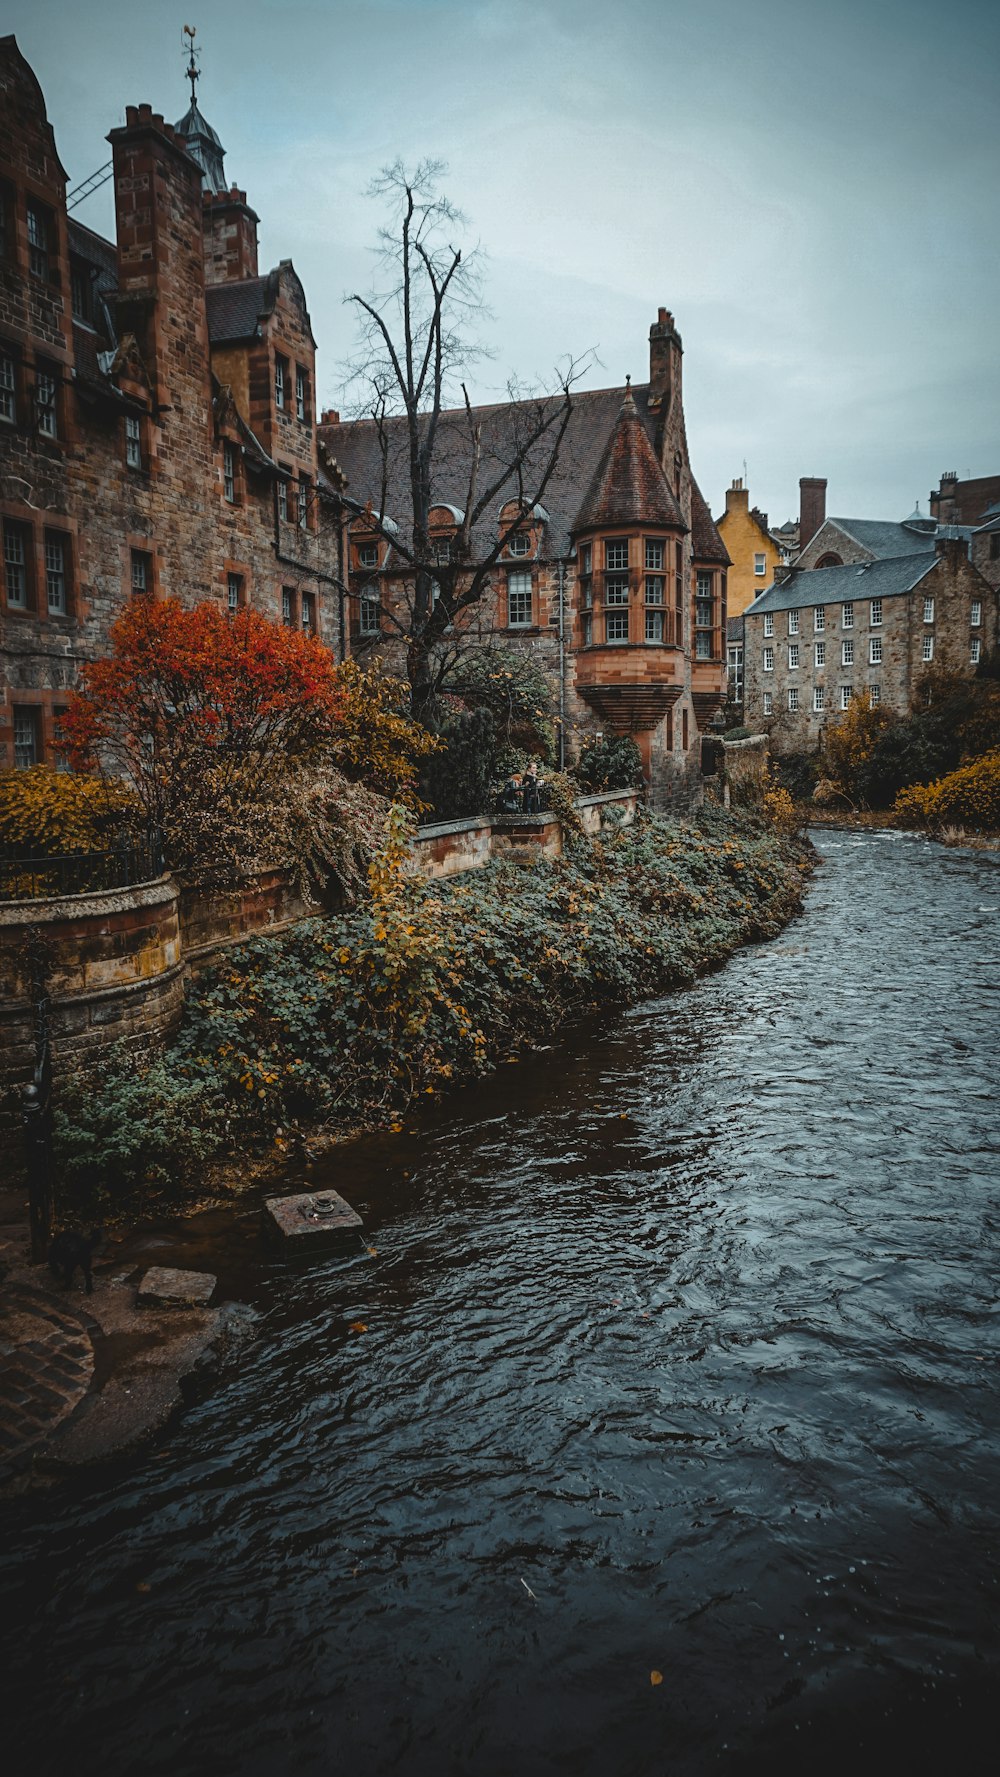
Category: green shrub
<point>609,762</point>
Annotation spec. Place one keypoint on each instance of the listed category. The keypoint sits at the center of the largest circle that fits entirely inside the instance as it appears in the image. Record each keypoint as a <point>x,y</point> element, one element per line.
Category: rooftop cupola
<point>198,137</point>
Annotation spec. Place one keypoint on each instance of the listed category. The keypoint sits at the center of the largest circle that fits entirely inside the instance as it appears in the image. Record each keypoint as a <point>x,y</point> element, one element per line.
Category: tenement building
<point>874,623</point>
<point>157,408</point>
<point>616,581</point>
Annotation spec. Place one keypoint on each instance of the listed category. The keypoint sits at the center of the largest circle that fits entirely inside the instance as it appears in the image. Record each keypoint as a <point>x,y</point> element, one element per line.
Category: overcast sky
<point>812,190</point>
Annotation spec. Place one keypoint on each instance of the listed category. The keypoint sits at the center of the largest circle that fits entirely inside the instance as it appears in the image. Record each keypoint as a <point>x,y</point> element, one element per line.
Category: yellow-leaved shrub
<point>969,797</point>
<point>46,813</point>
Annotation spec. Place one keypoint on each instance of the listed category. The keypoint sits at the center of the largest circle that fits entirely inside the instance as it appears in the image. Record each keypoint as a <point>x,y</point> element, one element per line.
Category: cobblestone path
<point>46,1367</point>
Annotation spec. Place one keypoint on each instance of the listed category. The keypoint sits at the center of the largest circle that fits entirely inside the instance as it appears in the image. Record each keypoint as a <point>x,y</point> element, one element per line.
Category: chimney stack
<point>665,351</point>
<point>812,507</point>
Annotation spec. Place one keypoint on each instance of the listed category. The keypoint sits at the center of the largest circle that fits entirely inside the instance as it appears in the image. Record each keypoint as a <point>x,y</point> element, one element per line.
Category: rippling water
<point>681,1357</point>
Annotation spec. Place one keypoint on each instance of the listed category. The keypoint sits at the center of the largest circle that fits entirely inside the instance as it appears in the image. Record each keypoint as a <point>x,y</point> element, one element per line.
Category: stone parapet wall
<point>115,975</point>
<point>745,769</point>
<point>213,917</point>
<point>450,848</point>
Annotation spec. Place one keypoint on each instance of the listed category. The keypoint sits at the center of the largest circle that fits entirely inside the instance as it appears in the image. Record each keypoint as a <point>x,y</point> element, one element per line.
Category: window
<point>768,703</point>
<point>734,663</point>
<point>8,388</point>
<point>283,499</point>
<point>875,651</point>
<point>760,564</point>
<point>976,616</point>
<point>368,555</point>
<point>586,558</point>
<point>846,693</point>
<point>703,585</point>
<point>654,589</point>
<point>39,241</point>
<point>142,574</point>
<point>234,592</point>
<point>654,626</point>
<point>616,626</point>
<point>819,700</point>
<point>280,380</point>
<point>793,697</point>
<point>703,644</point>
<point>847,653</point>
<point>793,623</point>
<point>519,544</point>
<point>819,619</point>
<point>288,606</point>
<point>229,473</point>
<point>703,613</point>
<point>586,594</point>
<point>654,554</point>
<point>519,601</point>
<point>793,654</point>
<point>45,400</point>
<point>927,652</point>
<point>769,660</point>
<point>819,653</point>
<point>133,442</point>
<point>81,290</point>
<point>616,591</point>
<point>15,561</point>
<point>442,551</point>
<point>308,613</point>
<point>928,611</point>
<point>974,650</point>
<point>587,629</point>
<point>371,617</point>
<point>302,502</point>
<point>769,623</point>
<point>876,613</point>
<point>301,393</point>
<point>26,747</point>
<point>55,574</point>
<point>616,554</point>
<point>847,615</point>
<point>874,695</point>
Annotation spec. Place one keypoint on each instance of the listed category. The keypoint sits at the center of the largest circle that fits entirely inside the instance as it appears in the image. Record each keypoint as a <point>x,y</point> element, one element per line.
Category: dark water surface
<point>689,1327</point>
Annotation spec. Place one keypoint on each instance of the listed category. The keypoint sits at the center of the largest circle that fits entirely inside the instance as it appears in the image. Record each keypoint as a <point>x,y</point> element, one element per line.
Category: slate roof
<point>973,498</point>
<point>234,309</point>
<point>355,446</point>
<point>706,543</point>
<point>628,486</point>
<point>831,586</point>
<point>885,539</point>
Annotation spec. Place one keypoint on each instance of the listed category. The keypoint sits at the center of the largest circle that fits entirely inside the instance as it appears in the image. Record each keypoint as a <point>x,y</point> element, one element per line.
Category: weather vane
<point>193,72</point>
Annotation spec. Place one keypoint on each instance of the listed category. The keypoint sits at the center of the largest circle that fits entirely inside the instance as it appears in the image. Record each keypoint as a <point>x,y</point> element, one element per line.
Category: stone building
<point>975,503</point>
<point>755,551</point>
<point>157,408</point>
<point>817,638</point>
<point>617,583</point>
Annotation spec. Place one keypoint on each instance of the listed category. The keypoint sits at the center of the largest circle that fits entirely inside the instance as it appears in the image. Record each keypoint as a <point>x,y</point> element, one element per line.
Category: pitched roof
<point>355,445</point>
<point>628,486</point>
<point>831,586</point>
<point>884,538</point>
<point>706,543</point>
<point>235,308</point>
<point>972,498</point>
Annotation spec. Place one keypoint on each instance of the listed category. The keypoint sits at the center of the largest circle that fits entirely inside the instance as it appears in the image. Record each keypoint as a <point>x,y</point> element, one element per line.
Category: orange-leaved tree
<point>199,713</point>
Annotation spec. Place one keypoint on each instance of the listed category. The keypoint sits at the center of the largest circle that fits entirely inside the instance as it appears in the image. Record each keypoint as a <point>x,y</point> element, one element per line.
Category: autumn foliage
<point>237,736</point>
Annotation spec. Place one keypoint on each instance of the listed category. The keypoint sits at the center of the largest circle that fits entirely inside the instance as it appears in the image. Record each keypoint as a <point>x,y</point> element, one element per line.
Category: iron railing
<point>24,877</point>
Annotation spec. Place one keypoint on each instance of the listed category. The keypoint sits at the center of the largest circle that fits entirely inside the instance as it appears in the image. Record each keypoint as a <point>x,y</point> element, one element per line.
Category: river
<point>671,1443</point>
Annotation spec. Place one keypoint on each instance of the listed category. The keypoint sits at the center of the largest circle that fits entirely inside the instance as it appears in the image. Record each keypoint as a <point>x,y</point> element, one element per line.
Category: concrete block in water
<point>311,1221</point>
<point>165,1287</point>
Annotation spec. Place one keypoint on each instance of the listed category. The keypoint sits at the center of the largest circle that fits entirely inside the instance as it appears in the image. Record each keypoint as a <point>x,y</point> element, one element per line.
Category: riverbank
<point>343,1022</point>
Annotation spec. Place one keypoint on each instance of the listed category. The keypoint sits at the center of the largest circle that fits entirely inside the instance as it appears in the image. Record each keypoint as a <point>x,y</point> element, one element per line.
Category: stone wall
<point>745,770</point>
<point>450,848</point>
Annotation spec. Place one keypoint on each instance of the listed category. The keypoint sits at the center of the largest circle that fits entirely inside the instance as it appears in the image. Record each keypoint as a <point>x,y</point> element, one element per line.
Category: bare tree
<point>416,344</point>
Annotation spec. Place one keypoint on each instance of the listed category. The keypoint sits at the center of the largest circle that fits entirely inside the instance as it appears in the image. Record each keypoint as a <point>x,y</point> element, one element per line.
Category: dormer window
<point>368,555</point>
<point>519,544</point>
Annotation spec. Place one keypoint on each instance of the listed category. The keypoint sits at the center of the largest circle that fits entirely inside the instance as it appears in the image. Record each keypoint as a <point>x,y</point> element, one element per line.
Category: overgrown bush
<point>47,814</point>
<point>609,762</point>
<point>456,780</point>
<point>344,1020</point>
<point>969,797</point>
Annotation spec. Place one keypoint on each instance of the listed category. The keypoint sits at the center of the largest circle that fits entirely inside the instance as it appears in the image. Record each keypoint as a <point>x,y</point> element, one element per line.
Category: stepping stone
<point>163,1287</point>
<point>311,1221</point>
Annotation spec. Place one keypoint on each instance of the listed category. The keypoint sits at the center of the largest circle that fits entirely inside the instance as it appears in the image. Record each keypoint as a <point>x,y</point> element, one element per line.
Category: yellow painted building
<point>752,550</point>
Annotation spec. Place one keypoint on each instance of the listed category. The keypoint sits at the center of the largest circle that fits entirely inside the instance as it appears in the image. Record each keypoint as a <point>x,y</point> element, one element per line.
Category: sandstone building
<point>157,408</point>
<point>755,551</point>
<point>617,583</point>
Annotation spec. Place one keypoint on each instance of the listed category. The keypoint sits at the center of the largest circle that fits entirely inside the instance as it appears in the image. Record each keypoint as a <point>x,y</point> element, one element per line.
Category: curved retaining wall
<point>115,972</point>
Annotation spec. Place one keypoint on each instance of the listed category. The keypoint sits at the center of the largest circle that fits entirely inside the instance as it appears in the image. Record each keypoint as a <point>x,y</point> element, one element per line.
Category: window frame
<point>819,700</point>
<point>9,389</point>
<point>654,555</point>
<point>141,558</point>
<point>41,251</point>
<point>59,573</point>
<point>793,657</point>
<point>133,442</point>
<point>229,472</point>
<point>976,614</point>
<point>793,623</point>
<point>793,700</point>
<point>768,623</point>
<point>280,381</point>
<point>235,592</point>
<point>759,562</point>
<point>819,619</point>
<point>301,394</point>
<point>617,546</point>
<point>767,663</point>
<point>819,653</point>
<point>616,627</point>
<point>847,652</point>
<point>655,619</point>
<point>523,590</point>
<point>369,625</point>
<point>31,713</point>
<point>929,609</point>
<point>927,650</point>
<point>768,702</point>
<point>17,534</point>
<point>875,606</point>
<point>874,650</point>
<point>46,411</point>
<point>847,614</point>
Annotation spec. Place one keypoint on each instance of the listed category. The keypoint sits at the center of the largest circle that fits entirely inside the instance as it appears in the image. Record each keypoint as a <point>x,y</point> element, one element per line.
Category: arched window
<point>830,561</point>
